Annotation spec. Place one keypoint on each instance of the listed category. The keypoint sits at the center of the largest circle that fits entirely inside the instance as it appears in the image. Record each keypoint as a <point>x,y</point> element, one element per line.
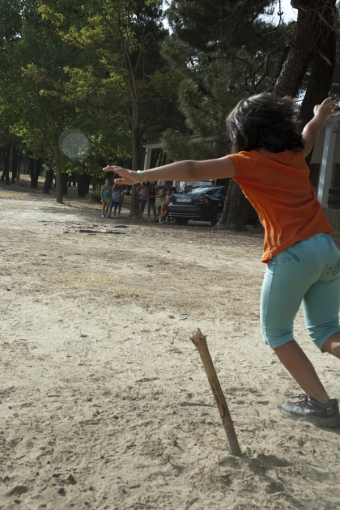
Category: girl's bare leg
<point>298,365</point>
<point>332,345</point>
<point>141,210</point>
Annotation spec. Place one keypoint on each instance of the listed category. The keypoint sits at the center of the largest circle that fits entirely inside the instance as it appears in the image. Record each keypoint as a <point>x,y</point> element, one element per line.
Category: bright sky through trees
<point>289,13</point>
<point>287,9</point>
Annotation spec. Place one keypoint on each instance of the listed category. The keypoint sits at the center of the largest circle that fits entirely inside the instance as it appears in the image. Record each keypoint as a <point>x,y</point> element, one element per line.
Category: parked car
<point>199,204</point>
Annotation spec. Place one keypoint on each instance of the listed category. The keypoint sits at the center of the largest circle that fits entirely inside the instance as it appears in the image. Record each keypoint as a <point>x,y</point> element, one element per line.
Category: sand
<point>104,403</point>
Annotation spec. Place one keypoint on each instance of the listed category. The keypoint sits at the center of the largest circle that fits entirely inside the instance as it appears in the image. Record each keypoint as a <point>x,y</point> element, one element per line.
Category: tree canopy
<point>112,70</point>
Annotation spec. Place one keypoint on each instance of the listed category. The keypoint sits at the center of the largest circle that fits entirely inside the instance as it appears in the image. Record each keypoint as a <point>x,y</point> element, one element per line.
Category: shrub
<point>95,195</point>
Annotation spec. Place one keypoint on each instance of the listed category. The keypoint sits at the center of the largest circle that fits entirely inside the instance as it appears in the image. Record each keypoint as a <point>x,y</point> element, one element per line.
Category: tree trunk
<point>35,169</point>
<point>135,161</point>
<point>301,49</point>
<point>59,177</point>
<point>83,185</point>
<point>14,162</point>
<point>313,38</point>
<point>59,187</point>
<point>236,210</point>
<point>17,164</point>
<point>221,225</point>
<point>6,156</point>
<point>48,181</point>
<point>64,180</point>
<point>322,69</point>
<point>312,35</point>
<point>34,184</point>
<point>2,164</point>
<point>72,179</point>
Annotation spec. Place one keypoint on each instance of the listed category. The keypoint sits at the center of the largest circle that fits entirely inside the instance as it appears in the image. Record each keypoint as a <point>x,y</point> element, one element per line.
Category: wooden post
<point>200,342</point>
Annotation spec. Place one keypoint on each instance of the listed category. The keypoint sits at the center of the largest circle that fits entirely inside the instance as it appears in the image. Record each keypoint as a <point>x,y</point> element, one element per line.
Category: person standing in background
<point>105,195</point>
<point>143,191</point>
<point>152,201</point>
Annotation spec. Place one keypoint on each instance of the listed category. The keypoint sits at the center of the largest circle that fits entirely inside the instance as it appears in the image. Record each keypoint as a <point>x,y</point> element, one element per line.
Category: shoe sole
<point>315,420</point>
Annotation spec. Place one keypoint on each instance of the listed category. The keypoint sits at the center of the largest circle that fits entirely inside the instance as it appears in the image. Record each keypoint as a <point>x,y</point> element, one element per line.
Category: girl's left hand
<point>126,176</point>
<point>326,109</point>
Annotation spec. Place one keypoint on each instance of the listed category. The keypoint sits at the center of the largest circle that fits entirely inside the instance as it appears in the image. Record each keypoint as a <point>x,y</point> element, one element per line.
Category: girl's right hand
<point>126,176</point>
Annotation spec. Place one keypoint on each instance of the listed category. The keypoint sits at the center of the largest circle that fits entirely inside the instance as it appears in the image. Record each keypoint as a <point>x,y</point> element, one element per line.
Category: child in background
<point>122,195</point>
<point>160,197</point>
<point>105,195</point>
<point>152,201</point>
<point>302,261</point>
<point>115,199</point>
<point>165,208</point>
<point>143,191</point>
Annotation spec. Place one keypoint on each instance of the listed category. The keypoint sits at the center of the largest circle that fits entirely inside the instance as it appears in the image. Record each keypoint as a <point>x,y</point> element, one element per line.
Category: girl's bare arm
<point>189,170</point>
<point>311,131</point>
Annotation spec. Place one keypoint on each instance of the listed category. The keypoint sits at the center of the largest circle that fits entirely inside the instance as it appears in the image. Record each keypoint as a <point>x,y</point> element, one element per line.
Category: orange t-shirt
<point>278,187</point>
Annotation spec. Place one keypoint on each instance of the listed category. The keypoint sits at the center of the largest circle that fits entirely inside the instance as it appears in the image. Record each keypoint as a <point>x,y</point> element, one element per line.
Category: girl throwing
<point>303,263</point>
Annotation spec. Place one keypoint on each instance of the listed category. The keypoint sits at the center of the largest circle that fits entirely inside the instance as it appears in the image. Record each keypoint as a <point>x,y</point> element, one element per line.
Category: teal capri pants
<point>307,272</point>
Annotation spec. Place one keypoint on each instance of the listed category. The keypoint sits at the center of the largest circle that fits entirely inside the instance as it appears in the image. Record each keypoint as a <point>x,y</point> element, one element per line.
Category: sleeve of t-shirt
<point>244,163</point>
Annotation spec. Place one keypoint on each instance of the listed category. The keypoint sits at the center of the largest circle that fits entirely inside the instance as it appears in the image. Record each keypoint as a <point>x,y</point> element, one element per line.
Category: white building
<point>325,170</point>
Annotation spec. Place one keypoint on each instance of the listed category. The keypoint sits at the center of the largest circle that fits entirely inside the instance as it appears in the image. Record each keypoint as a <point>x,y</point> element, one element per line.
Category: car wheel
<point>216,218</point>
<point>181,221</point>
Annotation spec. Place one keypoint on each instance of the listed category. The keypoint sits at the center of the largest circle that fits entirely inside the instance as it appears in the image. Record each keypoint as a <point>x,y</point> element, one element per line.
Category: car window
<point>207,191</point>
<point>200,191</point>
<point>220,191</point>
<point>215,191</point>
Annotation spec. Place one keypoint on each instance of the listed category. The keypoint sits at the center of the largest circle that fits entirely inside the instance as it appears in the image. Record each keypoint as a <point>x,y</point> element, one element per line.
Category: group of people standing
<point>112,199</point>
<point>156,199</point>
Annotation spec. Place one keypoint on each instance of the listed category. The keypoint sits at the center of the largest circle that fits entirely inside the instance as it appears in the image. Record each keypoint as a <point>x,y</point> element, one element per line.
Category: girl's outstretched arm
<point>189,170</point>
<point>311,131</point>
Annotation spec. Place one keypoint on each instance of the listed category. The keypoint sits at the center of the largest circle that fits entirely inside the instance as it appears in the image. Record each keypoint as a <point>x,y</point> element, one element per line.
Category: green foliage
<point>223,54</point>
<point>111,70</point>
<point>122,85</point>
<point>95,68</point>
<point>181,147</point>
<point>95,195</point>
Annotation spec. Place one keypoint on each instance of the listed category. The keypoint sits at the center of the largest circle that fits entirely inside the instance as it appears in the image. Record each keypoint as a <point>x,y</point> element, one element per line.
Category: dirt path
<point>104,403</point>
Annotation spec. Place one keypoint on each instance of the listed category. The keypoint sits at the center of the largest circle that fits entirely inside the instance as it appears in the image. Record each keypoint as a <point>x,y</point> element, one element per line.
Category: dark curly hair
<point>265,121</point>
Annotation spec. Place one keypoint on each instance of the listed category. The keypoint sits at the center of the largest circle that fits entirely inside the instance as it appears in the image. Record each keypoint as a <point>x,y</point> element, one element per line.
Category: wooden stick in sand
<point>200,342</point>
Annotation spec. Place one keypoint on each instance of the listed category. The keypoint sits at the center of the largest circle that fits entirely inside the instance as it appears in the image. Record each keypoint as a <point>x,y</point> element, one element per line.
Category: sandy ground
<point>104,403</point>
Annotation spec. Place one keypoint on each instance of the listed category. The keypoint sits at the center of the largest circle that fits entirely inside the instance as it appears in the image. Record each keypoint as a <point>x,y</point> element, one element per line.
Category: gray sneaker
<point>309,409</point>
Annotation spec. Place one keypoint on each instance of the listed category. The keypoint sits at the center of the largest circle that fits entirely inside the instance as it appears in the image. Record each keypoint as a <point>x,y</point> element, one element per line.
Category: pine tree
<point>224,54</point>
<point>253,56</point>
<point>128,82</point>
